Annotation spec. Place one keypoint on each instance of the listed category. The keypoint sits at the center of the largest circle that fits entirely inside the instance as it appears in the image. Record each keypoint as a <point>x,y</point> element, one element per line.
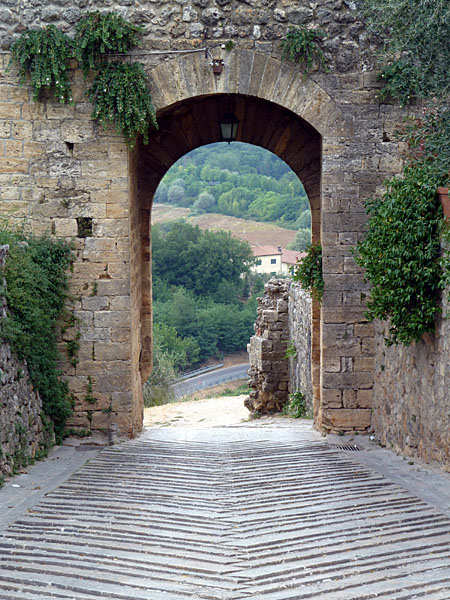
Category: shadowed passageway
<point>227,513</point>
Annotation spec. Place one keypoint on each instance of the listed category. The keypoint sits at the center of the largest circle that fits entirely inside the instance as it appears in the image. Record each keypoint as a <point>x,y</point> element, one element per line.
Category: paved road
<point>207,380</point>
<point>227,514</point>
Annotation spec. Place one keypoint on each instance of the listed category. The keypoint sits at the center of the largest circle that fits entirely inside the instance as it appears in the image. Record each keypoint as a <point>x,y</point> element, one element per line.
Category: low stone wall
<point>283,321</point>
<point>411,411</point>
<point>269,369</point>
<point>22,434</point>
<point>300,330</point>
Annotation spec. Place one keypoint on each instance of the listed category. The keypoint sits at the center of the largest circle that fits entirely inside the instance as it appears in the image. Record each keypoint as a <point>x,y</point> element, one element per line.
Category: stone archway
<point>297,120</point>
<point>330,132</point>
<point>194,122</point>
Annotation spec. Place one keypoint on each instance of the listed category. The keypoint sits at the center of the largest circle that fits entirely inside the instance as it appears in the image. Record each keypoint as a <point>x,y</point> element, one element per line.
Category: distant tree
<point>301,241</point>
<point>161,193</point>
<point>175,194</point>
<point>205,202</point>
<point>304,220</point>
<point>185,351</point>
<point>179,181</point>
<point>199,260</point>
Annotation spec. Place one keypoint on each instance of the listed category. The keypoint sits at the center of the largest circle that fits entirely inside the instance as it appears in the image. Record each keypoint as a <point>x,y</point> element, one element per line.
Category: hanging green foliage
<point>401,254</point>
<point>44,55</point>
<point>102,33</point>
<point>308,271</point>
<point>120,95</point>
<point>301,45</point>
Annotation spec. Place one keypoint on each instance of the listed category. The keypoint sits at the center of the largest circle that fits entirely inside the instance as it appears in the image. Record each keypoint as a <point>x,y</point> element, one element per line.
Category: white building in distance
<point>275,260</point>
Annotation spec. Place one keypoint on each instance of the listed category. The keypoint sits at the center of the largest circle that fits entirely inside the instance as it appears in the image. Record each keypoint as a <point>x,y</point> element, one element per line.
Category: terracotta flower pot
<point>443,197</point>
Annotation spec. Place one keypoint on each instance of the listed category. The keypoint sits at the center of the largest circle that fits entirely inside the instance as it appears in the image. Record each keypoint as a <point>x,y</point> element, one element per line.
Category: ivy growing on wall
<point>308,271</point>
<point>301,45</point>
<point>416,48</point>
<point>402,252</point>
<point>119,91</point>
<point>37,287</point>
<point>44,55</point>
<point>402,256</point>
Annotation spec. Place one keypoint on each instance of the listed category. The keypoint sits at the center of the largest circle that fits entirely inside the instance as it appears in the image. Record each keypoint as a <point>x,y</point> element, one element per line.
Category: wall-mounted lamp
<point>217,65</point>
<point>229,124</point>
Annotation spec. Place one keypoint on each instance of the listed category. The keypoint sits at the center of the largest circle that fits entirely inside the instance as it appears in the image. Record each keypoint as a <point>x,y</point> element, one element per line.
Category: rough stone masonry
<point>61,173</point>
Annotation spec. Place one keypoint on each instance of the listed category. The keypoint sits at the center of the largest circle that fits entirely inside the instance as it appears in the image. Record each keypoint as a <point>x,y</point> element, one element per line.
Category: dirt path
<point>209,412</point>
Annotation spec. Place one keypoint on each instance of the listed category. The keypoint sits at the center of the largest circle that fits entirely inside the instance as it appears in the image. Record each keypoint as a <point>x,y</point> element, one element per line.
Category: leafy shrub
<point>120,95</point>
<point>402,257</point>
<point>100,33</point>
<point>301,45</point>
<point>44,54</point>
<point>157,389</point>
<point>308,271</point>
<point>36,278</point>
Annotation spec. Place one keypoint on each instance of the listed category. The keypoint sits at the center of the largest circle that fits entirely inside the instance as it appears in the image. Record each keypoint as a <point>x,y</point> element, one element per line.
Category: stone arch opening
<point>194,122</point>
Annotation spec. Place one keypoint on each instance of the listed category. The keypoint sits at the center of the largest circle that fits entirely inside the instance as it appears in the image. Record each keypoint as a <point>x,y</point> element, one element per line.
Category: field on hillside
<point>254,232</point>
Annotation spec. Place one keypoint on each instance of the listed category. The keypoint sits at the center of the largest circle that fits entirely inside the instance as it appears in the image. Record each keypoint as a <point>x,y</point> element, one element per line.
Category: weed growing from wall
<point>43,54</point>
<point>308,271</point>
<point>37,283</point>
<point>296,406</point>
<point>301,45</point>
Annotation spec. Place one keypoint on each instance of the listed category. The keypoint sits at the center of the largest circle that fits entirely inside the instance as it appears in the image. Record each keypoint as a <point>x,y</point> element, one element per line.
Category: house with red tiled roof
<point>275,260</point>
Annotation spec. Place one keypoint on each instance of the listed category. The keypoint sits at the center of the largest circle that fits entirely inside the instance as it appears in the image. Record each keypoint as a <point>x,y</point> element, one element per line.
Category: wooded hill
<point>238,180</point>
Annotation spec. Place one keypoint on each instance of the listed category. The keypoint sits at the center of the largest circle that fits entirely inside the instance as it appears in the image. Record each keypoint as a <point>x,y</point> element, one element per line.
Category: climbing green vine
<point>415,50</point>
<point>119,91</point>
<point>402,251</point>
<point>401,254</point>
<point>120,95</point>
<point>44,54</point>
<point>308,271</point>
<point>301,45</point>
<point>37,287</point>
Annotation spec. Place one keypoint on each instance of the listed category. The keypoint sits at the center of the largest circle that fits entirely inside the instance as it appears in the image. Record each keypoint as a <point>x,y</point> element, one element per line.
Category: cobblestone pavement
<point>227,513</point>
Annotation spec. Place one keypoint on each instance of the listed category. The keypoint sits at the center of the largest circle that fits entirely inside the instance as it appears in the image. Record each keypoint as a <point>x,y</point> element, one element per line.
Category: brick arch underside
<point>193,123</point>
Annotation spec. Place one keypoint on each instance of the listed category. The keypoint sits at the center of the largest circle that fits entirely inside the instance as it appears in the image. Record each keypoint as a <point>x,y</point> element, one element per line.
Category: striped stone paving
<point>227,517</point>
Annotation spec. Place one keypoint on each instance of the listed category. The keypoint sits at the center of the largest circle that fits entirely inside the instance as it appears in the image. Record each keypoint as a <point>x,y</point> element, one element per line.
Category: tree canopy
<point>241,181</point>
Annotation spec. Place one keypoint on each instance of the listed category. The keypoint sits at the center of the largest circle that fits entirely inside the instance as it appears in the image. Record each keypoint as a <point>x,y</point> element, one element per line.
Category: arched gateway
<point>327,129</point>
<point>298,121</point>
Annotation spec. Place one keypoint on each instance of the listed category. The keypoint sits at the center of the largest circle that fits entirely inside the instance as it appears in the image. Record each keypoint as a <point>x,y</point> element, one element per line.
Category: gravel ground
<point>209,412</point>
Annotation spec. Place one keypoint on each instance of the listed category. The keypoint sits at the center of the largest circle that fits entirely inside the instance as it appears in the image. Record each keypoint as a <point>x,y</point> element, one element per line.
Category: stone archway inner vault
<point>299,122</point>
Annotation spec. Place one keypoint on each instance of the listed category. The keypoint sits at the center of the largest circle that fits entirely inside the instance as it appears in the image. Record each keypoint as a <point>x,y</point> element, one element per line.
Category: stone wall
<point>283,321</point>
<point>300,336</point>
<point>22,435</point>
<point>411,411</point>
<point>60,172</point>
<point>269,368</point>
<point>176,24</point>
